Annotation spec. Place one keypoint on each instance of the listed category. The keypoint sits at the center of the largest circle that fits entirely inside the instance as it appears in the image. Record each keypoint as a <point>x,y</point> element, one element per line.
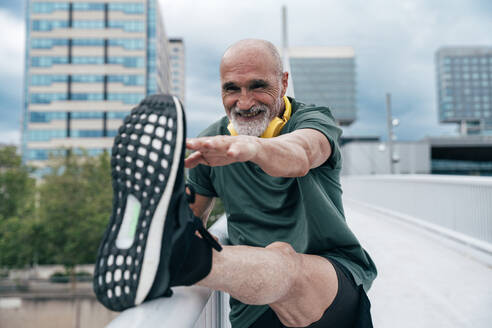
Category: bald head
<point>254,48</point>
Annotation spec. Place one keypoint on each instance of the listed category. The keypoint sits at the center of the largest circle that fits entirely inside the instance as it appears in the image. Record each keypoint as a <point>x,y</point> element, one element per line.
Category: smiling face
<point>252,86</point>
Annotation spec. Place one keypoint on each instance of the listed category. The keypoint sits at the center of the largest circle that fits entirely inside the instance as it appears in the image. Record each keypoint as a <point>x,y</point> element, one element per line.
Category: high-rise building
<point>87,64</point>
<point>464,88</point>
<point>325,76</point>
<point>177,67</point>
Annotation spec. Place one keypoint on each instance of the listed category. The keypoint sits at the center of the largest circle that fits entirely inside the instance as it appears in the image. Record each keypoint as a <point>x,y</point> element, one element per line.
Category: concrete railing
<point>189,307</point>
<point>457,206</point>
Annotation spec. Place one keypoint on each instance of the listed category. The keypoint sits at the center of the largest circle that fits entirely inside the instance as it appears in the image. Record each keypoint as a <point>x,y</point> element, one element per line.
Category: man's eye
<point>231,88</point>
<point>258,86</point>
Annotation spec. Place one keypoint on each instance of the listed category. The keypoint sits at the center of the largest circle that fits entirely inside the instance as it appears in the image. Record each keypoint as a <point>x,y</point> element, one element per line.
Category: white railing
<point>457,206</point>
<point>189,307</point>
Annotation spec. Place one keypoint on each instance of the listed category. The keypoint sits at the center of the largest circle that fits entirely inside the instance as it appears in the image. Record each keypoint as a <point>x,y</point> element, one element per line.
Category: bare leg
<point>297,287</point>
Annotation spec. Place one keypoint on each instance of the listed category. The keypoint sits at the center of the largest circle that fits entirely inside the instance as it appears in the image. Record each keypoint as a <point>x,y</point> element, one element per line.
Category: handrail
<point>183,309</point>
<point>459,207</point>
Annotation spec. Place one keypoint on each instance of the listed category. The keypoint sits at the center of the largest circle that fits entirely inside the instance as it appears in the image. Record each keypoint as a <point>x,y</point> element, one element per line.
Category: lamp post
<point>392,122</point>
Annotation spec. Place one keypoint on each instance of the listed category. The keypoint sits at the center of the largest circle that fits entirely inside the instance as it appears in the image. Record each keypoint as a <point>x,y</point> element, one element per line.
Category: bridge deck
<point>425,280</point>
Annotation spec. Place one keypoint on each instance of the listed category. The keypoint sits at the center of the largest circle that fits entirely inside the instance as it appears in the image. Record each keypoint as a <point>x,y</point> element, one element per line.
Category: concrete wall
<point>53,312</point>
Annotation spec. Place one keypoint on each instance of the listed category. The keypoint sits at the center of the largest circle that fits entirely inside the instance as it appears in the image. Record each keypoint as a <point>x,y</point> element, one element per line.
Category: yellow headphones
<point>273,129</point>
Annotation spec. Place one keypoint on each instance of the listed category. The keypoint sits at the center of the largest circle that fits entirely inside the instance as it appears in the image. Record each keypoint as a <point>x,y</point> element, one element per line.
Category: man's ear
<point>285,82</point>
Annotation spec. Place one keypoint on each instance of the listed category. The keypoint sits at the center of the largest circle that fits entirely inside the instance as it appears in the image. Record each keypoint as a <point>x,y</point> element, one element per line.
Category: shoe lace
<point>199,224</point>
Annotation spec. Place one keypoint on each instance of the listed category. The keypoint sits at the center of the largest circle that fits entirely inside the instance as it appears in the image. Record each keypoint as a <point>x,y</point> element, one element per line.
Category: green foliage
<point>16,187</point>
<point>16,249</point>
<point>17,225</point>
<point>74,207</point>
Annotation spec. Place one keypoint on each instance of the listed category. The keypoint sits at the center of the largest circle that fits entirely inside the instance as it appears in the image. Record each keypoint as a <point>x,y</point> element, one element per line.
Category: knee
<point>283,248</point>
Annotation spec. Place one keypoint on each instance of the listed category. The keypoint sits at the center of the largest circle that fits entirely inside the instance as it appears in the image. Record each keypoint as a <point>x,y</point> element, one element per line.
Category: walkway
<point>425,280</point>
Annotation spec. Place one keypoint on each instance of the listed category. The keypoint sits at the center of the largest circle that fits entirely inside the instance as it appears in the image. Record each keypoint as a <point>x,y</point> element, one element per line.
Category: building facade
<point>87,64</point>
<point>326,76</point>
<point>464,88</point>
<point>177,68</point>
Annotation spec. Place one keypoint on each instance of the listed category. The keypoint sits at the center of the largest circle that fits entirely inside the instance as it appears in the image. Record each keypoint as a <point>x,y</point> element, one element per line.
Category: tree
<point>17,225</point>
<point>16,186</point>
<point>74,208</point>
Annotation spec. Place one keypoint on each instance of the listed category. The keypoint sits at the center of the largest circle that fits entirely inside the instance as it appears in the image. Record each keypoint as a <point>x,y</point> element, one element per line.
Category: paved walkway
<point>424,280</point>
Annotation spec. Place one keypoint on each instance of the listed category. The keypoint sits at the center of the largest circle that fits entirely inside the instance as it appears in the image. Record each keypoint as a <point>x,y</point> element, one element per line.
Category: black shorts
<point>350,308</point>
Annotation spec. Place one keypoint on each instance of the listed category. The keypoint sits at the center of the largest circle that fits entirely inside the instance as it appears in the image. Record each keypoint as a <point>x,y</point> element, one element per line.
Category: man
<point>294,261</point>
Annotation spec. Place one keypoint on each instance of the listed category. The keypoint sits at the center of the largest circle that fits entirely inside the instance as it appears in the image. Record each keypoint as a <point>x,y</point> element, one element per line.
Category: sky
<point>394,42</point>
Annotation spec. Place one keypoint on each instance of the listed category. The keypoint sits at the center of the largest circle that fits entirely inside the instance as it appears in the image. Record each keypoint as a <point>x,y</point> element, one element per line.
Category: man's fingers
<point>194,159</point>
<point>193,144</point>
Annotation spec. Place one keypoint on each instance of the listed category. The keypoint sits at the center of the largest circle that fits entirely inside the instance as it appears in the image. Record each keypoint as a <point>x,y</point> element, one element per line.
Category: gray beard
<point>254,128</point>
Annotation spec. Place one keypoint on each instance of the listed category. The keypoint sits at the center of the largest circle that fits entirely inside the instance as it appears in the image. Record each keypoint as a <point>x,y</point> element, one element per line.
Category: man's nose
<point>245,101</point>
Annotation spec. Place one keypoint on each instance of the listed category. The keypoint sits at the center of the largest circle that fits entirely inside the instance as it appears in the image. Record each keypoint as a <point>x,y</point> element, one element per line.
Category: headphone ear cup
<point>273,129</point>
<point>231,129</point>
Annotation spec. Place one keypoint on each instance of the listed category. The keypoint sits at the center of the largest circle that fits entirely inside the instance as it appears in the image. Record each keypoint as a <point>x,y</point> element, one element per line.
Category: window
<point>127,61</point>
<point>128,26</point>
<point>86,6</point>
<point>127,79</point>
<point>45,135</point>
<point>39,79</point>
<point>37,43</point>
<point>42,117</point>
<point>48,25</point>
<point>87,78</point>
<point>47,61</point>
<point>86,133</point>
<point>48,7</point>
<point>112,133</point>
<point>42,154</point>
<point>87,60</point>
<point>88,42</point>
<point>127,98</point>
<point>87,96</point>
<point>86,115</point>
<point>127,8</point>
<point>46,98</point>
<point>117,115</point>
<point>130,44</point>
<point>88,24</point>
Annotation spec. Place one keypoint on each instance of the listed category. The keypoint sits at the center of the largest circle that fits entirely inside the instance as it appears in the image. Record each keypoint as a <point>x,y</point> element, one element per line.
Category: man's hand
<point>221,150</point>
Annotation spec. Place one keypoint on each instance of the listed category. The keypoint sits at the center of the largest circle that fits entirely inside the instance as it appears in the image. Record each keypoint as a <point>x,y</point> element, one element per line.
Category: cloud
<point>11,68</point>
<point>10,137</point>
<point>395,42</point>
<point>12,41</point>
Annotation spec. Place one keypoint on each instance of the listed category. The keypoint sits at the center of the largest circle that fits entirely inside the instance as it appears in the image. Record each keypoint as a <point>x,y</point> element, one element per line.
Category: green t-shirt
<point>306,212</point>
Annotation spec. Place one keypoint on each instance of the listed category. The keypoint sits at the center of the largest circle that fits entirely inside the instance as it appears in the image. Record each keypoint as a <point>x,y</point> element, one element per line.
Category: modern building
<point>326,76</point>
<point>372,157</point>
<point>464,88</point>
<point>177,68</point>
<point>87,64</point>
<point>461,155</point>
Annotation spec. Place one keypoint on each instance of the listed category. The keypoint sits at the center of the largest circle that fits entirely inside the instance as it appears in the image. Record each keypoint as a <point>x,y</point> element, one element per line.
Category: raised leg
<point>298,287</point>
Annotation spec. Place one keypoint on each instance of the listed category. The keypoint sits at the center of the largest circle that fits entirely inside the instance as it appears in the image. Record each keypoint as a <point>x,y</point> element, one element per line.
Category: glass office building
<point>326,76</point>
<point>464,88</point>
<point>87,64</point>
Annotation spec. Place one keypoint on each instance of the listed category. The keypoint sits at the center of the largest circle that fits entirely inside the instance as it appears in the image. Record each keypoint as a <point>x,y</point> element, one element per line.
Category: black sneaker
<point>150,243</point>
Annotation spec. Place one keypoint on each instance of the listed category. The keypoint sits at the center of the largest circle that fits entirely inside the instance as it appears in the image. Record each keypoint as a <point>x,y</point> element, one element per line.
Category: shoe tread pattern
<point>141,161</point>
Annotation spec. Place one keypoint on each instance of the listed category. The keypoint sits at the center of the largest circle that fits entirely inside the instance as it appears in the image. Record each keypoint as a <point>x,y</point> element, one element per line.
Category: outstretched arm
<point>289,155</point>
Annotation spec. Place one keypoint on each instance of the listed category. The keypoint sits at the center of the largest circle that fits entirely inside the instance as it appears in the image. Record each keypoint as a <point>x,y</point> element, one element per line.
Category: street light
<point>392,122</point>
